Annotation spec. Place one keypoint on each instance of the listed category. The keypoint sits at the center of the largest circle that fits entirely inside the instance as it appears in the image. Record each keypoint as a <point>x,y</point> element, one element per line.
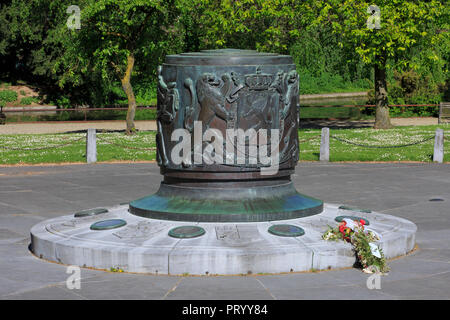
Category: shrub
<point>410,87</point>
<point>28,100</point>
<point>8,95</point>
<point>63,102</point>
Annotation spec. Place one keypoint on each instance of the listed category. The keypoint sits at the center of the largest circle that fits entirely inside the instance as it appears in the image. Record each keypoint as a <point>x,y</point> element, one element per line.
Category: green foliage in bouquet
<point>361,240</point>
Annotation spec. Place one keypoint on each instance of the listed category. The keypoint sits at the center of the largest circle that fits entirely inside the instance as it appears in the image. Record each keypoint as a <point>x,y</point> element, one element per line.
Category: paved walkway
<point>58,127</point>
<point>31,194</point>
<point>335,95</point>
<point>320,123</point>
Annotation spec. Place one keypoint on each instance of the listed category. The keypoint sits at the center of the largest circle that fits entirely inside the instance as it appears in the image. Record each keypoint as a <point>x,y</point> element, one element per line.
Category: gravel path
<point>414,121</point>
<point>57,127</point>
<point>320,123</point>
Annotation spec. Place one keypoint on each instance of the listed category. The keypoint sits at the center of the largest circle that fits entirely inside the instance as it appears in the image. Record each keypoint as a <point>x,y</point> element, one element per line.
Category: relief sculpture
<point>168,99</point>
<point>191,111</point>
<point>289,114</point>
<point>257,104</point>
<point>286,84</point>
<point>246,101</point>
<point>167,107</point>
<point>291,92</point>
<point>212,92</point>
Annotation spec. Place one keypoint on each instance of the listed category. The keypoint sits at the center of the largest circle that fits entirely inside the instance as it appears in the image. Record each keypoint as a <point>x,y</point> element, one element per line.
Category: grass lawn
<point>123,147</point>
<point>340,151</point>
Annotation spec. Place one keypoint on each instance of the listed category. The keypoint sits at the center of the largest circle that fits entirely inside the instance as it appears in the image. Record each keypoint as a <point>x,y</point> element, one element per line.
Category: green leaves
<point>360,240</point>
<point>402,26</point>
<point>324,37</point>
<point>266,25</point>
<point>112,30</point>
<point>8,95</point>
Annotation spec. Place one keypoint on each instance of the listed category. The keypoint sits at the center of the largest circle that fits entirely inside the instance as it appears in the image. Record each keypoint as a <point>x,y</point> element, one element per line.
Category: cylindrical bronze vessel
<point>215,93</point>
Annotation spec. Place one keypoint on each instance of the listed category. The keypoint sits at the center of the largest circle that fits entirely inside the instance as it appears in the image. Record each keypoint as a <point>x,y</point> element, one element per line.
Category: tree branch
<point>117,69</point>
<point>109,33</point>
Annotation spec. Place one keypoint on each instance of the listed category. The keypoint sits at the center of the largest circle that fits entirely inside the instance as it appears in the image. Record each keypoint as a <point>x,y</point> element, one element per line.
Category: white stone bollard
<point>91,146</point>
<point>325,145</point>
<point>438,154</point>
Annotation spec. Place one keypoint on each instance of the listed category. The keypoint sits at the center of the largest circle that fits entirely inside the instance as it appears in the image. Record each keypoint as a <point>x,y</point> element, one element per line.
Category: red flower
<point>362,222</point>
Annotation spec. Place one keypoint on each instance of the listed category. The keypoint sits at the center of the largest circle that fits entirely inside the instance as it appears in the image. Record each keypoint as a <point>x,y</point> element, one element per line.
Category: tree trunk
<point>128,89</point>
<point>382,120</point>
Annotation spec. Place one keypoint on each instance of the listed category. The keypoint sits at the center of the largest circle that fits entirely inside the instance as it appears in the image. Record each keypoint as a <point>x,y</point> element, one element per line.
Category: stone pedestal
<point>146,245</point>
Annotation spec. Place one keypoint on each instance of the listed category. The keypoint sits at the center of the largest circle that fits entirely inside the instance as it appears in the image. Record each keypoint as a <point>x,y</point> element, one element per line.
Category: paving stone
<point>220,288</point>
<point>320,285</point>
<point>46,293</point>
<point>361,185</point>
<point>118,286</point>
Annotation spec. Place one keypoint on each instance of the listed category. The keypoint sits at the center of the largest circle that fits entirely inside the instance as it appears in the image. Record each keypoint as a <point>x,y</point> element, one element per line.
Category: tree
<point>114,36</point>
<point>28,47</point>
<point>33,38</point>
<point>382,33</point>
<point>266,25</point>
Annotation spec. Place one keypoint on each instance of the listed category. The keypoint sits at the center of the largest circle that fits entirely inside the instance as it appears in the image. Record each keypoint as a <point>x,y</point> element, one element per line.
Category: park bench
<point>444,112</point>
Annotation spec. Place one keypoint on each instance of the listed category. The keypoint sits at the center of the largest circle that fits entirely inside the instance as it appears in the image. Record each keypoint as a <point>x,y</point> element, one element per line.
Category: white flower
<point>350,223</point>
<point>374,233</point>
<point>375,250</point>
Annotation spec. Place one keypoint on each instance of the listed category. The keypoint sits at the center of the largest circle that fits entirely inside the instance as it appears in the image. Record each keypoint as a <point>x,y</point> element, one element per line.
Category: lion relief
<point>212,93</point>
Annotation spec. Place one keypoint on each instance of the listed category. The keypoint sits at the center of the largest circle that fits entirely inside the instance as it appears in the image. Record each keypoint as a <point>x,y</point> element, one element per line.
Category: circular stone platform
<point>144,245</point>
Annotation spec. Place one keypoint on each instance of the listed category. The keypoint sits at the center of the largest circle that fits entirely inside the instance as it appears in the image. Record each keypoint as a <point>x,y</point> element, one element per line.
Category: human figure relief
<point>167,106</point>
<point>287,85</point>
<point>191,111</point>
<point>289,108</point>
<point>290,90</point>
<point>168,99</point>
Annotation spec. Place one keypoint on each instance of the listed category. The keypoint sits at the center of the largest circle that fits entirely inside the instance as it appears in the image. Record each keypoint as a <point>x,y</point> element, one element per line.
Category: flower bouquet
<point>369,256</point>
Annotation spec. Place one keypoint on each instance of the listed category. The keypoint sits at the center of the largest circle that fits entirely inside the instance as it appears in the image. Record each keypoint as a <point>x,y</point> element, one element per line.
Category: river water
<point>338,112</point>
